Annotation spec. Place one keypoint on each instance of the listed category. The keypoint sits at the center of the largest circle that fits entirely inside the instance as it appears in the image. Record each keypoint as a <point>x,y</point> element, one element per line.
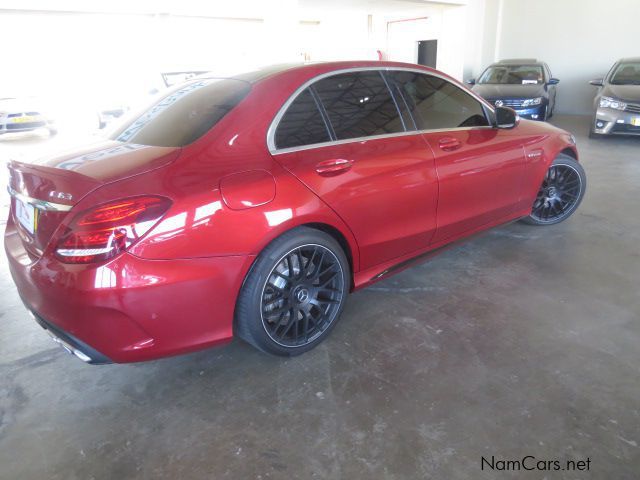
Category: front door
<point>479,168</point>
<point>480,172</point>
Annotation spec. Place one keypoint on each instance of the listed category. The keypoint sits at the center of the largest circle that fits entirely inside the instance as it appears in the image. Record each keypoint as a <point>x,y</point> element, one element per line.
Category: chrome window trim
<point>271,132</point>
<point>373,137</point>
<point>40,204</point>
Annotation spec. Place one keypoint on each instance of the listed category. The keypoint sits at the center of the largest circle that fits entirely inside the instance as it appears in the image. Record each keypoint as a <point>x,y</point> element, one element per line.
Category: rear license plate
<point>635,121</point>
<point>26,215</point>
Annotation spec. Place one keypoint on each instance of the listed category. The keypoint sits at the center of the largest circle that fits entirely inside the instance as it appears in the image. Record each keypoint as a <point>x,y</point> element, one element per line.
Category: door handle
<point>336,166</point>
<point>449,144</point>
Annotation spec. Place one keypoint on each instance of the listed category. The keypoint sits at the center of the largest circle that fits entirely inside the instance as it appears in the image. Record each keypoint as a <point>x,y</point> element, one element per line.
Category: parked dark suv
<point>526,85</point>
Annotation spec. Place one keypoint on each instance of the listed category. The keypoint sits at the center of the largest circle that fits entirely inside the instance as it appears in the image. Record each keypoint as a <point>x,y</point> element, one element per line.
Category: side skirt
<point>374,274</point>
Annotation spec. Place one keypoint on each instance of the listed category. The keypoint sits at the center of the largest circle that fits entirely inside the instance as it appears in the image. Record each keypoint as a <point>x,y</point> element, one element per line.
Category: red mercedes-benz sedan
<point>252,205</point>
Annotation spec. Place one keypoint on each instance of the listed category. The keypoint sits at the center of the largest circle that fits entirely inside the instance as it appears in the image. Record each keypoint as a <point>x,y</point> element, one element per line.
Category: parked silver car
<point>23,115</point>
<point>617,104</point>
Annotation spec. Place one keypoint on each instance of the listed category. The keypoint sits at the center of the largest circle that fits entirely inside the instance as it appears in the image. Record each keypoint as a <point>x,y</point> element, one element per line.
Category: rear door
<point>345,139</point>
<point>480,168</point>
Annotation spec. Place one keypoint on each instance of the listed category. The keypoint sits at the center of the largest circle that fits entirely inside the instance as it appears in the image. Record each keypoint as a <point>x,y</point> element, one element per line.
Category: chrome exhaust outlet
<point>69,349</point>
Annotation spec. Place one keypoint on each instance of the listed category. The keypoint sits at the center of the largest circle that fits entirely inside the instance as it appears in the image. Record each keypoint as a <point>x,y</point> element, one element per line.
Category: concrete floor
<point>524,341</point>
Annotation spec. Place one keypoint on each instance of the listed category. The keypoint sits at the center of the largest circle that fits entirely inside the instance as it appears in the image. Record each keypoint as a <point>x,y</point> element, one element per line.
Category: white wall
<point>78,51</point>
<point>399,35</point>
<point>579,39</point>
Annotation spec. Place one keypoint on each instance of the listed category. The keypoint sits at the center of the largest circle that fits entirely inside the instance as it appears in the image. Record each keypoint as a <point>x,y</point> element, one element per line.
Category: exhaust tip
<point>69,349</point>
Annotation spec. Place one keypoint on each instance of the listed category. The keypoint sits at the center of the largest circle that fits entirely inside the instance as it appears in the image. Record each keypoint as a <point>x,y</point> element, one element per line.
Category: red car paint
<point>388,200</point>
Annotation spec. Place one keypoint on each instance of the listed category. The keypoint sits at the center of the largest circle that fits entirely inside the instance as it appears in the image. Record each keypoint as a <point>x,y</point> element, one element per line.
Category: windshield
<point>184,114</point>
<point>626,74</point>
<point>513,75</point>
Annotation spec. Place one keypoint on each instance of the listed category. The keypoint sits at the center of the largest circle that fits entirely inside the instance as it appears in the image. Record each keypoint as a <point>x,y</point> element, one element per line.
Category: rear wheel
<point>560,194</point>
<point>294,293</point>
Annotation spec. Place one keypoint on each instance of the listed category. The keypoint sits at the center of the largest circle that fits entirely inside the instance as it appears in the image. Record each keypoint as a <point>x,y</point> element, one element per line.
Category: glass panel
<point>436,103</point>
<point>513,75</point>
<point>184,115</point>
<point>627,73</point>
<point>302,124</point>
<point>359,104</point>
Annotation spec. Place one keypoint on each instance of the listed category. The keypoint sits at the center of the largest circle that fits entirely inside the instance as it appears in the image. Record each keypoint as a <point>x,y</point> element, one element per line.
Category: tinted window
<point>627,73</point>
<point>513,75</point>
<point>302,124</point>
<point>359,104</point>
<point>184,115</point>
<point>436,103</point>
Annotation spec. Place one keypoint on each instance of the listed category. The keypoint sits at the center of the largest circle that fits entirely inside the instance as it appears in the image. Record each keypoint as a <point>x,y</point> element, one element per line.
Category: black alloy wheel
<point>294,293</point>
<point>301,296</point>
<point>560,194</point>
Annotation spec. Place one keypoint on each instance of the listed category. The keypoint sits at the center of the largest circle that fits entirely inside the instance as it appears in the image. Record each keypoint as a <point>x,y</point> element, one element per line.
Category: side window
<point>359,104</point>
<point>302,124</point>
<point>436,103</point>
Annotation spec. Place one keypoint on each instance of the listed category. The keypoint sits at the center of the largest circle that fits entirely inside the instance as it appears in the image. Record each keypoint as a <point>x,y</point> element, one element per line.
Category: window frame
<point>320,110</point>
<point>489,114</point>
<point>488,109</point>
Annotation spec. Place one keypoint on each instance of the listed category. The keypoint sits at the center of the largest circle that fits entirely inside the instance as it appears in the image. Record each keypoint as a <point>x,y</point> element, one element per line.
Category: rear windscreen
<point>184,115</point>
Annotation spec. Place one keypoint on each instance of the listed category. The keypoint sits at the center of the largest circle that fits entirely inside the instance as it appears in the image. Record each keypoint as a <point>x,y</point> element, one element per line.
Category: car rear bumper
<point>608,121</point>
<point>70,343</point>
<point>130,309</point>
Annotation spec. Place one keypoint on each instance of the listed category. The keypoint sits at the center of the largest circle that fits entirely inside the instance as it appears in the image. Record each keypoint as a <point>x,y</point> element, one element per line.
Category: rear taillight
<point>109,229</point>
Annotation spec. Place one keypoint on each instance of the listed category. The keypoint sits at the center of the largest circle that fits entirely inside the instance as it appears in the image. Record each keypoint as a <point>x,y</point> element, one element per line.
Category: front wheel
<point>560,194</point>
<point>294,293</point>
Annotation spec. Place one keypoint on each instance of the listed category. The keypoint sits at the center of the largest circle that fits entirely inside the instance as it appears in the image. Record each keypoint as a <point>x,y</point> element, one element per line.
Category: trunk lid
<point>43,192</point>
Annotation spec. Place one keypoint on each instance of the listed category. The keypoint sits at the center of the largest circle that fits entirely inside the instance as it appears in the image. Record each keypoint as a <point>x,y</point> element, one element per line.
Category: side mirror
<point>597,83</point>
<point>471,81</point>
<point>554,81</point>
<point>506,118</point>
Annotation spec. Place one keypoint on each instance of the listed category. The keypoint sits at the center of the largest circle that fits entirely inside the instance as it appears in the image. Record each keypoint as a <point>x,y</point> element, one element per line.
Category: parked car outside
<point>253,205</point>
<point>526,85</point>
<point>24,115</point>
<point>617,103</point>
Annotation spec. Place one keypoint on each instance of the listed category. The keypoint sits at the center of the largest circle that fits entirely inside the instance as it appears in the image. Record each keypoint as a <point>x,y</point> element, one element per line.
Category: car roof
<point>519,61</point>
<point>269,71</point>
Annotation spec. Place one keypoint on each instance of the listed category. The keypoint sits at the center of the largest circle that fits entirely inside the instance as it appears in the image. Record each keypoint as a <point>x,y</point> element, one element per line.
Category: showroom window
<point>302,124</point>
<point>436,103</point>
<point>185,114</point>
<point>359,104</point>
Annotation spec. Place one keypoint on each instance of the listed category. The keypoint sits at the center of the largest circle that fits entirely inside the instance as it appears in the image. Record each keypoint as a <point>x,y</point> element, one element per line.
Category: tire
<point>286,314</point>
<point>560,194</point>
